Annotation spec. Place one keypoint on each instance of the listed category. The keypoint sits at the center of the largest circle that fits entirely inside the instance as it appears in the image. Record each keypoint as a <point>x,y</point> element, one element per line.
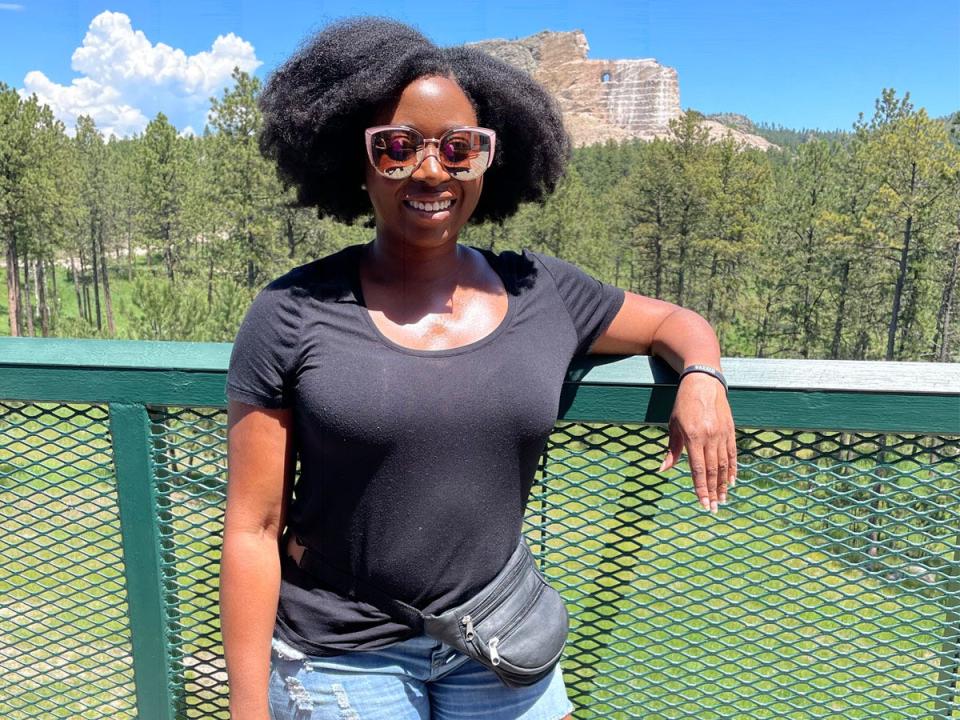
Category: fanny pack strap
<point>355,588</point>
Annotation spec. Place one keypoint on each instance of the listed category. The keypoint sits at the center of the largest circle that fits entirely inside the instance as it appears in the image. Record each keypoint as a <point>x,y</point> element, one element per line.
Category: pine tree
<point>687,153</point>
<point>737,183</point>
<point>643,212</point>
<point>912,160</point>
<point>247,186</point>
<point>161,181</point>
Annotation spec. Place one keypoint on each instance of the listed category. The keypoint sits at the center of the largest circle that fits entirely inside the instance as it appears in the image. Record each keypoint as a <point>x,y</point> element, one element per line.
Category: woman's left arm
<point>701,417</point>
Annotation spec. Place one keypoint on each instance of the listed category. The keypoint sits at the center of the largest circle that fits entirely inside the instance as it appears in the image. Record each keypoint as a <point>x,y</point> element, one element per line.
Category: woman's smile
<point>436,207</point>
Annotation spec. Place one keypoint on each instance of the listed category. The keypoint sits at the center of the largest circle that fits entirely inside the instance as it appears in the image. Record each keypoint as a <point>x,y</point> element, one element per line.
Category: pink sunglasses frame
<point>422,149</point>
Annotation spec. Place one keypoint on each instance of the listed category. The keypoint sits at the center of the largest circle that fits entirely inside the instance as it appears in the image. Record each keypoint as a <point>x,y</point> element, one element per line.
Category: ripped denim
<point>416,679</point>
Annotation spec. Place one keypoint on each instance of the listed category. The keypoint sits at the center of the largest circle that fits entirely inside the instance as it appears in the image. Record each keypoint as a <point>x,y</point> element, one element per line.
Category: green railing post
<point>164,474</point>
<point>133,457</point>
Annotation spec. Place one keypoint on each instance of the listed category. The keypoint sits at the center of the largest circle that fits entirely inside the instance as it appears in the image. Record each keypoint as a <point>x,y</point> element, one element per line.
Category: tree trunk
<point>711,288</point>
<point>22,315</point>
<point>898,289</point>
<point>681,280</point>
<point>54,292</point>
<point>909,318</point>
<point>42,300</point>
<point>34,278</point>
<point>291,238</point>
<point>108,301</point>
<point>658,268</point>
<point>762,330</point>
<point>251,272</point>
<point>85,289</point>
<point>13,289</point>
<point>168,251</point>
<point>210,280</point>
<point>76,286</point>
<point>149,258</point>
<point>96,274</point>
<point>838,325</point>
<point>129,253</point>
<point>27,305</point>
<point>946,306</point>
<point>901,272</point>
<point>863,342</point>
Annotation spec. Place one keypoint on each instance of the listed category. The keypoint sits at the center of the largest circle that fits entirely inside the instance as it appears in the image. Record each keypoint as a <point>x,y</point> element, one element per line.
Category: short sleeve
<point>591,303</point>
<point>262,362</point>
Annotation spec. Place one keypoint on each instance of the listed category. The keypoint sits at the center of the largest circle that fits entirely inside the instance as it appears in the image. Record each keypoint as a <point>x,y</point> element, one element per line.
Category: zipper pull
<point>468,621</point>
<point>494,655</point>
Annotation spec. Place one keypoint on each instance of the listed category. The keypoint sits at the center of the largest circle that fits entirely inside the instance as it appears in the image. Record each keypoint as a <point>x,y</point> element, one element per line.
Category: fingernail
<point>723,499</point>
<point>713,507</point>
<point>705,503</point>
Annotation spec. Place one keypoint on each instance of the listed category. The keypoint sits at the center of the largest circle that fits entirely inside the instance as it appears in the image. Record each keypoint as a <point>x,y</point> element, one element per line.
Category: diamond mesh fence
<point>64,633</point>
<point>827,587</point>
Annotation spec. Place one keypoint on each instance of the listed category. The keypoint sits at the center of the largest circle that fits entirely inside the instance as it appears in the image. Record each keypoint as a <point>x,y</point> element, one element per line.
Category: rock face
<point>602,99</point>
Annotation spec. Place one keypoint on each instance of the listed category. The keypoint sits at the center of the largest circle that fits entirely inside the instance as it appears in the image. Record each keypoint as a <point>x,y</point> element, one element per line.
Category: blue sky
<point>807,63</point>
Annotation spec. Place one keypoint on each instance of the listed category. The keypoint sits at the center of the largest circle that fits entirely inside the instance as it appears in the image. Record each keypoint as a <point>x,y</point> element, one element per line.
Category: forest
<point>838,245</point>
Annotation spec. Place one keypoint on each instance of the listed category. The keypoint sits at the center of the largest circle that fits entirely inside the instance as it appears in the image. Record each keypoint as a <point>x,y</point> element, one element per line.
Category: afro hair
<point>317,104</point>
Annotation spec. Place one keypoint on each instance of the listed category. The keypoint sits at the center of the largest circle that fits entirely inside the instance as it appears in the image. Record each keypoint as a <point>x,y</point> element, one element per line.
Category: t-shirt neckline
<point>361,306</point>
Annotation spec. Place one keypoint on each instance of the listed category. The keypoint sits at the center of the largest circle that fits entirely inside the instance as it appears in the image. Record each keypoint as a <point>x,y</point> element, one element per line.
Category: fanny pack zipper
<point>483,609</point>
<point>494,642</point>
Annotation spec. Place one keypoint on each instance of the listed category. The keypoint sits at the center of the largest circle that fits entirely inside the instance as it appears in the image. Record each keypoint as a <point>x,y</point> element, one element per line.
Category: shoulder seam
<point>556,288</point>
<point>299,347</point>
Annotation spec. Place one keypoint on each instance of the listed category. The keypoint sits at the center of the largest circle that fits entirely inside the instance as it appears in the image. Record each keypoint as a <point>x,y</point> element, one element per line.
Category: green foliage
<point>790,139</point>
<point>838,245</point>
<point>166,312</point>
<point>244,187</point>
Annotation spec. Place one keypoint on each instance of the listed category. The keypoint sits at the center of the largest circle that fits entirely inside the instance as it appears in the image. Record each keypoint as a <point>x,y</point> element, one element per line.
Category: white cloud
<point>126,79</point>
<point>11,6</point>
<point>86,97</point>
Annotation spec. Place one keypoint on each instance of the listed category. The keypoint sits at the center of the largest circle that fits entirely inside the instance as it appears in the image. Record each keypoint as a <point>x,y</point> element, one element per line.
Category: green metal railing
<point>828,587</point>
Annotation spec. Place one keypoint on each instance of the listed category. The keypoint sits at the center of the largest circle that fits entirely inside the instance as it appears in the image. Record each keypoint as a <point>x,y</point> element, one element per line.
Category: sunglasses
<point>396,151</point>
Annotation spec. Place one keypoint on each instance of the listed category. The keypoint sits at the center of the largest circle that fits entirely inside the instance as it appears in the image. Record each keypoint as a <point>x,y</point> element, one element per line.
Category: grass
<point>752,613</point>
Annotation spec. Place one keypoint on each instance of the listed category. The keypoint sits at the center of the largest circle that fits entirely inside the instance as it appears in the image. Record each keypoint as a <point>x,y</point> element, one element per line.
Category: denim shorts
<point>415,679</point>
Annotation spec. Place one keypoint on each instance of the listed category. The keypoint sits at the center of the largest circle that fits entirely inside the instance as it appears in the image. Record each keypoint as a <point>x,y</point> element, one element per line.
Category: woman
<point>416,378</point>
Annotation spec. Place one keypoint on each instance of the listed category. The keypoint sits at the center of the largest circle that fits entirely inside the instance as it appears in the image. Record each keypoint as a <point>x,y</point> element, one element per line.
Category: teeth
<point>430,207</point>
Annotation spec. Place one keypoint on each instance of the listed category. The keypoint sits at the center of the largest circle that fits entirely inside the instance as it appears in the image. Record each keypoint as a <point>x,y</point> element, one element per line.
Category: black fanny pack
<point>517,625</point>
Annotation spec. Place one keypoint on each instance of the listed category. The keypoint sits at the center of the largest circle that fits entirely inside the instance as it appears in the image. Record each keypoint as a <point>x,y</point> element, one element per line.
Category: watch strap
<point>704,369</point>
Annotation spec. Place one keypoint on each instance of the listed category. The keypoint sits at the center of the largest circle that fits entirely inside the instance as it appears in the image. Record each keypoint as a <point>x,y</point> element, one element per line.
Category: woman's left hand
<point>702,420</point>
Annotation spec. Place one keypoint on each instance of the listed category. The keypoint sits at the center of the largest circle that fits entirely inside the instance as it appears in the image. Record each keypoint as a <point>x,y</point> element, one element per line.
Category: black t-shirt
<point>415,465</point>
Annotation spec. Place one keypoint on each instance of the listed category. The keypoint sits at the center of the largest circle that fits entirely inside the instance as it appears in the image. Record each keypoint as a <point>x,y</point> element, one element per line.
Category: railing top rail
<point>799,394</point>
<point>114,354</point>
<point>637,370</point>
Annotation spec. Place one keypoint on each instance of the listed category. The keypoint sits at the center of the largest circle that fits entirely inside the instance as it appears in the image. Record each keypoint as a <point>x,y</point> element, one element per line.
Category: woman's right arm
<point>260,465</point>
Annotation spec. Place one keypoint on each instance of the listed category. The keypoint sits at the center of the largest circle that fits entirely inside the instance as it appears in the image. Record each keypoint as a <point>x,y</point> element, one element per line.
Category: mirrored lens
<point>395,152</point>
<point>465,154</point>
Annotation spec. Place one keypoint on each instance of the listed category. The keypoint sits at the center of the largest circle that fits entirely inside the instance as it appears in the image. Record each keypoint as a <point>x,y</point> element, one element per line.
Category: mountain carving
<point>604,99</point>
